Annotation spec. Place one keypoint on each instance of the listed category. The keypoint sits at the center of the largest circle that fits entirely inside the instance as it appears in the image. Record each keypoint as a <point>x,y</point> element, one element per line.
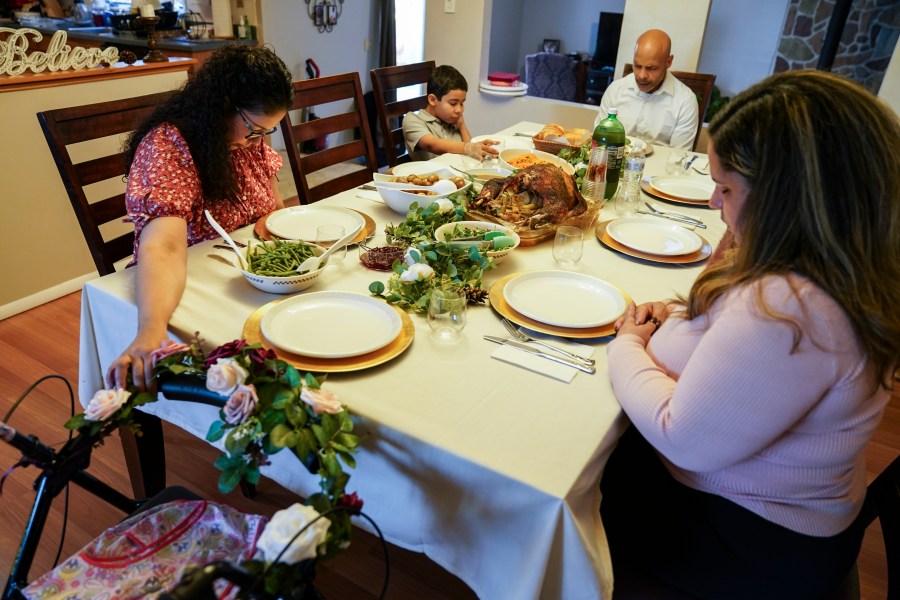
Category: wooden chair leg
<point>145,456</point>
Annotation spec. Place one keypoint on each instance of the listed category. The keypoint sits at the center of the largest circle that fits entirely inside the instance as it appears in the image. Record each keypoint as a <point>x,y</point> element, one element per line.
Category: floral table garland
<point>268,406</point>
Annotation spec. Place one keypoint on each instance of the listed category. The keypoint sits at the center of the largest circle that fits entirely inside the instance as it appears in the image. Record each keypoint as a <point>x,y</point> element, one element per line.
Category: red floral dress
<point>163,181</point>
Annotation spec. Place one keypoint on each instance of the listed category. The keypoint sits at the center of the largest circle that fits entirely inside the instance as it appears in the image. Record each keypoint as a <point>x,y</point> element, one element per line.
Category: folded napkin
<point>538,364</point>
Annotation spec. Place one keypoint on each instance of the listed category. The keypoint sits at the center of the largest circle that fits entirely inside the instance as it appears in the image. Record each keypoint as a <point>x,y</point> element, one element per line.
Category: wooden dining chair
<point>702,86</point>
<point>310,93</point>
<point>385,82</point>
<point>83,172</point>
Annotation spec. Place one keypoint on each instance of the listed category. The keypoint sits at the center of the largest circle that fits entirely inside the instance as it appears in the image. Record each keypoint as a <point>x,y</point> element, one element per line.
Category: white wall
<point>740,42</point>
<point>293,36</point>
<point>506,37</point>
<point>890,85</point>
<point>684,21</point>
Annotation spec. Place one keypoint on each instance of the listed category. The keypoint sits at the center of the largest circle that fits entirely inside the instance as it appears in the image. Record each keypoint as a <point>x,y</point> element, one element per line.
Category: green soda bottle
<point>610,133</point>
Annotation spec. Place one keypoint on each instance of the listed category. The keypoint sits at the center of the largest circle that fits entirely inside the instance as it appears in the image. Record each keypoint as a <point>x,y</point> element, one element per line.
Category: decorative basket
<point>551,147</point>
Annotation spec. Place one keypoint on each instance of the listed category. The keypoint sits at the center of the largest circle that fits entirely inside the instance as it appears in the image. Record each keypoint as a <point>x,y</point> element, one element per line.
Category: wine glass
<point>447,313</point>
<point>568,245</point>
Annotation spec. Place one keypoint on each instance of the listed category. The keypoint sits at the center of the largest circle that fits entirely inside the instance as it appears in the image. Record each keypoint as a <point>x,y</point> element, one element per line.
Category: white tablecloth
<point>489,469</point>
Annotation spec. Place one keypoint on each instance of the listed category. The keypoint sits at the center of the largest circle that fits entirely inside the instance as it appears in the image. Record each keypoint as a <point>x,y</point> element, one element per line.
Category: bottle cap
<point>613,110</point>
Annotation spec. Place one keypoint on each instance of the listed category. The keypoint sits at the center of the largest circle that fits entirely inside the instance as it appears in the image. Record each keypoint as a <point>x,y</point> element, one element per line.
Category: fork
<point>520,336</point>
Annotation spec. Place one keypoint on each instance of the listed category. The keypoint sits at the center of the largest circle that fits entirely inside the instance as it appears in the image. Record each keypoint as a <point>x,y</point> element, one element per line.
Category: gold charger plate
<point>645,185</point>
<point>365,233</point>
<point>499,304</point>
<point>253,334</point>
<point>699,255</point>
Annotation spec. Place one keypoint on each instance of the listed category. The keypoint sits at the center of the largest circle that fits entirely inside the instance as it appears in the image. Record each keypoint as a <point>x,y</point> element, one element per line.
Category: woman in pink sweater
<point>752,399</point>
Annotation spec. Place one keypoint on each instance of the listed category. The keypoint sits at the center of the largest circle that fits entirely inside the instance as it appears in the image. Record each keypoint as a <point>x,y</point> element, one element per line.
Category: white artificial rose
<point>444,205</point>
<point>284,525</point>
<point>225,376</point>
<point>321,400</point>
<point>105,403</point>
<point>417,272</point>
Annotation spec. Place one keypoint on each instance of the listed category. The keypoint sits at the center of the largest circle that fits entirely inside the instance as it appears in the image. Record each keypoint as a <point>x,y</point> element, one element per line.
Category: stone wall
<point>867,43</point>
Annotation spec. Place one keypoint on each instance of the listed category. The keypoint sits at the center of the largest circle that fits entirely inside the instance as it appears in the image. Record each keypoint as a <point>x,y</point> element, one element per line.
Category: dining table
<point>490,469</point>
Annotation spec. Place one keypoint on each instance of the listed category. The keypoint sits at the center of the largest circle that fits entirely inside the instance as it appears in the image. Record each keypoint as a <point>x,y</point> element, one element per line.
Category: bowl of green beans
<point>272,265</point>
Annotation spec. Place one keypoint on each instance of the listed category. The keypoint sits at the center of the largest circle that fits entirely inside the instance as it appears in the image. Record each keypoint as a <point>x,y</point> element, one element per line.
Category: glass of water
<point>447,313</point>
<point>568,245</point>
<point>675,162</point>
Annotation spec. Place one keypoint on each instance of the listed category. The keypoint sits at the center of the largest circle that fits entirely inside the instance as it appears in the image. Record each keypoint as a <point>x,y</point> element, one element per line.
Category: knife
<point>688,164</point>
<point>685,220</point>
<point>536,352</point>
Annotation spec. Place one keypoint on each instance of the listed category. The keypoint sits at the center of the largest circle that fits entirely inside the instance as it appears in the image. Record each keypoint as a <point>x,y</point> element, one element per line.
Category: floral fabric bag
<point>147,554</point>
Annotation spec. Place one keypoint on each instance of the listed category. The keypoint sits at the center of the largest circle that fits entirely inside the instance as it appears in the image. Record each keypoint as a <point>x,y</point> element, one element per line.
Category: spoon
<point>227,238</point>
<point>312,263</point>
<point>443,186</point>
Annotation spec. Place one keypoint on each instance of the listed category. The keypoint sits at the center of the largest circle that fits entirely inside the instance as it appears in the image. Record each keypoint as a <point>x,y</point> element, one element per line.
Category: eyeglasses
<point>255,133</point>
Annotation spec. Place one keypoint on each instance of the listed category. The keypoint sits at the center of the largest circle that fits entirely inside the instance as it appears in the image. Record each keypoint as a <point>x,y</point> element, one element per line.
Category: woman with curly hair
<point>754,399</point>
<point>202,149</point>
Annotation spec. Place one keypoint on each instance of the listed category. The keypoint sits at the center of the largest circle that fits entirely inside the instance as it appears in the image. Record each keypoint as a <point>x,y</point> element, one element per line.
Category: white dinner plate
<point>301,222</point>
<point>686,188</point>
<point>654,236</point>
<point>331,324</point>
<point>507,141</point>
<point>564,299</point>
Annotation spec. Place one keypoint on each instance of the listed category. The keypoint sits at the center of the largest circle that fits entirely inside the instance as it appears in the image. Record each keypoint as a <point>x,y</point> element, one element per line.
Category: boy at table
<point>440,128</point>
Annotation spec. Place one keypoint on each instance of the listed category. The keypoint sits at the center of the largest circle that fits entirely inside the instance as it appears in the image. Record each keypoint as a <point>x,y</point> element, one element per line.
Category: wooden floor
<point>45,340</point>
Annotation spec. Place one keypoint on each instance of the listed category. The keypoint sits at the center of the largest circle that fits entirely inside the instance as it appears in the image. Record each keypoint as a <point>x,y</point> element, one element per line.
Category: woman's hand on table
<point>643,320</point>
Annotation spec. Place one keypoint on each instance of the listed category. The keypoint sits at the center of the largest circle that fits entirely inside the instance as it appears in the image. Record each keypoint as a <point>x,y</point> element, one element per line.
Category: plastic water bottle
<point>629,198</point>
<point>610,133</point>
<point>634,167</point>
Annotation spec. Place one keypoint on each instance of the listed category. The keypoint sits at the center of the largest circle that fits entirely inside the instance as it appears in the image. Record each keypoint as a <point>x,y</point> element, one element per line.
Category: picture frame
<point>551,46</point>
<point>331,11</point>
<point>320,15</point>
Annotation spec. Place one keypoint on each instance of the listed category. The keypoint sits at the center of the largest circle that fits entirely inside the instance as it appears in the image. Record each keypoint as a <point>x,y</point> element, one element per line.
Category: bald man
<point>653,105</point>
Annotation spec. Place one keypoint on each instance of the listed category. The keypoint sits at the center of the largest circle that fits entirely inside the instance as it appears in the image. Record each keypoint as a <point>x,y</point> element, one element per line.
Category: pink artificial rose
<point>241,404</point>
<point>105,403</point>
<point>228,350</point>
<point>225,376</point>
<point>321,401</point>
<point>167,348</point>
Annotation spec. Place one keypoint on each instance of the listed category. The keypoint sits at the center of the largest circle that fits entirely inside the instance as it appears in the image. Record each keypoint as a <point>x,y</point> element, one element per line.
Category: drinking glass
<point>328,234</point>
<point>594,184</point>
<point>675,162</point>
<point>567,245</point>
<point>447,313</point>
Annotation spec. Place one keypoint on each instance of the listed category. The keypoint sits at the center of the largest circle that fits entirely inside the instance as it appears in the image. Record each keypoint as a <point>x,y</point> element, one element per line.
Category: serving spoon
<point>442,186</point>
<point>221,231</point>
<point>312,263</point>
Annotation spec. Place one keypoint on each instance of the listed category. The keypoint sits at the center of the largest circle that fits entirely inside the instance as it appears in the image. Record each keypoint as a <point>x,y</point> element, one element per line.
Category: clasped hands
<point>642,320</point>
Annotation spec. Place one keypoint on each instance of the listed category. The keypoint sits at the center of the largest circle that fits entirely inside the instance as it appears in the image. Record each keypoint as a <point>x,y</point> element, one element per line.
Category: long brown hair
<point>820,154</point>
<point>235,76</point>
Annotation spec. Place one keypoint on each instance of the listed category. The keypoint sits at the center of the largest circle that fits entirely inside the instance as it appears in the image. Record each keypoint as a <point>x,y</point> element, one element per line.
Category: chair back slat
<point>702,86</point>
<point>385,82</point>
<point>310,93</point>
<point>65,127</point>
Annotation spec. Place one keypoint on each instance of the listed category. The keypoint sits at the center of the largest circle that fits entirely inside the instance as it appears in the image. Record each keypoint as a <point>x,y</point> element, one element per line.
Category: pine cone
<point>128,57</point>
<point>475,295</point>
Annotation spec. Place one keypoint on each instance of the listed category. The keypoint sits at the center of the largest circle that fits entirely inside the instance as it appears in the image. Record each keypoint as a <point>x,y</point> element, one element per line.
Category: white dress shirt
<point>668,116</point>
